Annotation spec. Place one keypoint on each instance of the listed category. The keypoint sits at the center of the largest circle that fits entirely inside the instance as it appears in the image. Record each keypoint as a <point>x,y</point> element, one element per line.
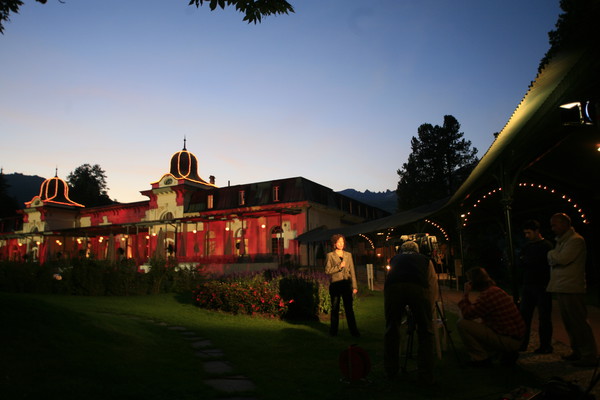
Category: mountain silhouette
<point>23,187</point>
<point>385,200</point>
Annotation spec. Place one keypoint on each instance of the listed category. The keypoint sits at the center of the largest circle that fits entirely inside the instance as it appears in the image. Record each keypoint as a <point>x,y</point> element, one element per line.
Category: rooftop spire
<point>184,139</point>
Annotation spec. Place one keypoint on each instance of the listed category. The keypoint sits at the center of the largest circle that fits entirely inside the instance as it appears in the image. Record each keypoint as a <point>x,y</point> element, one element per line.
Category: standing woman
<point>343,284</point>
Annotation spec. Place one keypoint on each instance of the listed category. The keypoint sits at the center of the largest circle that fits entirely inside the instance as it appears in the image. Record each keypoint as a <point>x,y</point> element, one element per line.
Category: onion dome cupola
<point>183,171</point>
<point>53,191</point>
<point>184,165</point>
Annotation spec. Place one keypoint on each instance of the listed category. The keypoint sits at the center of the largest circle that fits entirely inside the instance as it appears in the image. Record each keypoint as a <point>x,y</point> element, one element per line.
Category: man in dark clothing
<point>536,274</point>
<point>411,282</point>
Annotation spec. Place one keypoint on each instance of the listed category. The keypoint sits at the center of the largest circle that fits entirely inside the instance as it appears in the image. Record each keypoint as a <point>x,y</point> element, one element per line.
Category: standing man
<point>411,282</point>
<point>567,280</point>
<point>536,275</point>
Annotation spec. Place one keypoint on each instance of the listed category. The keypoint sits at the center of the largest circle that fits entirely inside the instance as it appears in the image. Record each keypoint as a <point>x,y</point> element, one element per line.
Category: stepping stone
<point>201,343</point>
<point>232,384</point>
<point>188,333</point>
<point>238,398</point>
<point>162,323</point>
<point>177,328</point>
<point>194,338</point>
<point>209,353</point>
<point>217,367</point>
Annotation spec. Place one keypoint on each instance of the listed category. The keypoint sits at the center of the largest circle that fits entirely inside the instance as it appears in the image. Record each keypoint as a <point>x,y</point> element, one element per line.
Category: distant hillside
<point>385,200</point>
<point>23,187</point>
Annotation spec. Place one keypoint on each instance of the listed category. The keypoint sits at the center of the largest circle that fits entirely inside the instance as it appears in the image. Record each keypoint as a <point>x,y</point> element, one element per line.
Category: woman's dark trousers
<point>342,291</point>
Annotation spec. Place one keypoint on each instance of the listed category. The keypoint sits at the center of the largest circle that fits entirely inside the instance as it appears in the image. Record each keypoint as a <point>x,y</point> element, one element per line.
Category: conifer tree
<point>440,161</point>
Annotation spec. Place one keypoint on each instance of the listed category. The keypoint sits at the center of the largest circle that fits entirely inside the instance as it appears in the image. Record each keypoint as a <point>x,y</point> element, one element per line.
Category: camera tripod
<point>411,327</point>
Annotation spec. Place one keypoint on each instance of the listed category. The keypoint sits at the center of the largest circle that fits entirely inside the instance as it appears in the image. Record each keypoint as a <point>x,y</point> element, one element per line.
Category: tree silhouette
<point>577,26</point>
<point>8,204</point>
<point>440,161</point>
<point>88,186</point>
<point>253,10</point>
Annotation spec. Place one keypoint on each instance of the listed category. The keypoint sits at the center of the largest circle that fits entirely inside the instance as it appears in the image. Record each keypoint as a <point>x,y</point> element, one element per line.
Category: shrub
<point>241,297</point>
<point>282,293</point>
<point>89,277</point>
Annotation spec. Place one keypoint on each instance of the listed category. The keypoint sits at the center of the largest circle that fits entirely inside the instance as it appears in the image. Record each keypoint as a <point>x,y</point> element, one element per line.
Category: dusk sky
<point>333,92</point>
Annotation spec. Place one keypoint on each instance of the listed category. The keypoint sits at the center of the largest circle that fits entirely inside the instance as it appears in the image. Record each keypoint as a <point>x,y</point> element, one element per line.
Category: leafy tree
<point>577,26</point>
<point>88,186</point>
<point>440,161</point>
<point>253,10</point>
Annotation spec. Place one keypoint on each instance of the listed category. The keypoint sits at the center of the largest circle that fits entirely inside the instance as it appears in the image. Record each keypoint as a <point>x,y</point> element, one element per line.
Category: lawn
<point>92,348</point>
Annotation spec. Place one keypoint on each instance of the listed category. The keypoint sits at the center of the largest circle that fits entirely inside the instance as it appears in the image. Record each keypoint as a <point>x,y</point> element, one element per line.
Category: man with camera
<point>411,282</point>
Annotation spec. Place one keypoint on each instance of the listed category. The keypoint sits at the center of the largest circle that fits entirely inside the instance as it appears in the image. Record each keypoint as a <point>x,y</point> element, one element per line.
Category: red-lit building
<point>242,227</point>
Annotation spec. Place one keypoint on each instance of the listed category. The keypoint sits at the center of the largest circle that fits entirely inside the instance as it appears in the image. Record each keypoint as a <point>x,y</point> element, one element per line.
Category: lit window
<point>275,193</point>
<point>210,201</point>
<point>242,199</point>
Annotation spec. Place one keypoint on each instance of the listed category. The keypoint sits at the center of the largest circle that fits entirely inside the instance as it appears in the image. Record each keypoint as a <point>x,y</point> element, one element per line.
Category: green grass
<point>90,348</point>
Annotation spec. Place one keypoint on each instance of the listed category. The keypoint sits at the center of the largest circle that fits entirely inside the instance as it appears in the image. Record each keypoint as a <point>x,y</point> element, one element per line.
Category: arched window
<point>241,242</point>
<point>166,216</point>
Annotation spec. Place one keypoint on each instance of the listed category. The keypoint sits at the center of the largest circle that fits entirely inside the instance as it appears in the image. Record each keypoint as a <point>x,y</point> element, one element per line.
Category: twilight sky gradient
<point>333,93</point>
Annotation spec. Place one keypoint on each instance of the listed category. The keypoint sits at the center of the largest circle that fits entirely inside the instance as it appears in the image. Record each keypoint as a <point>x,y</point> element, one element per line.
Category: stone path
<point>219,371</point>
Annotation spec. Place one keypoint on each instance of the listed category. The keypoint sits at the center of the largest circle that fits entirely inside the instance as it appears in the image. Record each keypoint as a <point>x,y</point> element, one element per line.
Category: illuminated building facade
<point>188,218</point>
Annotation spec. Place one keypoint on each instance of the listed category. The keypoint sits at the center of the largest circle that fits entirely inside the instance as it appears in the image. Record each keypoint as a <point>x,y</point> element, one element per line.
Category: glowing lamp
<point>579,113</point>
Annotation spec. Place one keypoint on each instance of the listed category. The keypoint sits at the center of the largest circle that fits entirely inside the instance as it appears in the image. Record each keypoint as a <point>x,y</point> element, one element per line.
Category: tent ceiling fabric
<point>392,221</point>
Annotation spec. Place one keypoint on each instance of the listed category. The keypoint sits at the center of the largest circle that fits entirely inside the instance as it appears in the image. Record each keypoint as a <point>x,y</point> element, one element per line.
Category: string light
<point>368,240</point>
<point>442,230</point>
<point>571,201</point>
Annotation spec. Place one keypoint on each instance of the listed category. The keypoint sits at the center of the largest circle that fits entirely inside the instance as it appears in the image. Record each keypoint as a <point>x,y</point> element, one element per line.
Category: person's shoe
<point>544,350</point>
<point>480,363</point>
<point>571,357</point>
<point>585,363</point>
<point>509,359</point>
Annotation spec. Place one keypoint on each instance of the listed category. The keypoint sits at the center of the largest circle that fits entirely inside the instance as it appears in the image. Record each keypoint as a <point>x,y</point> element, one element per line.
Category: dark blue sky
<point>333,92</point>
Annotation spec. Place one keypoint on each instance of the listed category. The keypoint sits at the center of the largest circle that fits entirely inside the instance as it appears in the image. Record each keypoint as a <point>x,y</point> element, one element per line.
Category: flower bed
<point>280,293</point>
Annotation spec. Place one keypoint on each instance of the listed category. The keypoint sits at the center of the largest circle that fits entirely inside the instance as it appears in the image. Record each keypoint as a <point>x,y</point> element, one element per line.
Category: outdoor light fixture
<point>579,113</point>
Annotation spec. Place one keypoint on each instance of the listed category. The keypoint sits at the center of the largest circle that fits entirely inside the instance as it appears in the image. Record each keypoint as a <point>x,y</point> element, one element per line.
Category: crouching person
<point>501,330</point>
